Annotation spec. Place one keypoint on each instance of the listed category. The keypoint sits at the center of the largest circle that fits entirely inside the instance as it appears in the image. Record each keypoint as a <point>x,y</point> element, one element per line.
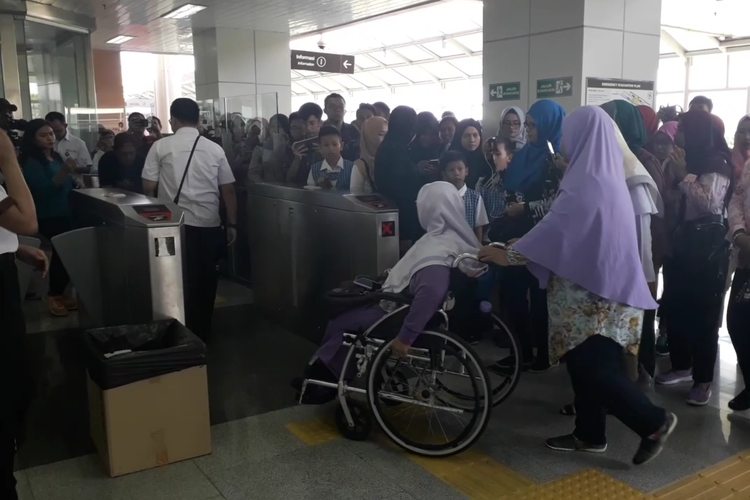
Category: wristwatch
<point>230,225</point>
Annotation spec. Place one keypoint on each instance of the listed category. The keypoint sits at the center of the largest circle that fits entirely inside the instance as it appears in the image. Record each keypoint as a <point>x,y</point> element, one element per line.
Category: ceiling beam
<point>396,85</point>
<point>673,44</point>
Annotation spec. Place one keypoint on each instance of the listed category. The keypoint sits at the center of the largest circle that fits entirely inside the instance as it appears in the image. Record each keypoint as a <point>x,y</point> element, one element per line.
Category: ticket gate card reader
<point>126,264</point>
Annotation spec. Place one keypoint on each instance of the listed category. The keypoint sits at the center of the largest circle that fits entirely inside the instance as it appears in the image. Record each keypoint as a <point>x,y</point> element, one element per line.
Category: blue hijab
<point>528,164</point>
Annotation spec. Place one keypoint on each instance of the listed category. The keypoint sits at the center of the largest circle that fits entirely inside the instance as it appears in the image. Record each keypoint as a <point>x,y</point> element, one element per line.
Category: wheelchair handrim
<point>480,414</point>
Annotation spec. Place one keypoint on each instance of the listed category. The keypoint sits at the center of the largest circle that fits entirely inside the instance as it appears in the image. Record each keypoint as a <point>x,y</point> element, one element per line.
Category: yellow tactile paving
<point>585,485</point>
<point>316,431</point>
<point>475,475</point>
<point>479,477</point>
<point>727,480</point>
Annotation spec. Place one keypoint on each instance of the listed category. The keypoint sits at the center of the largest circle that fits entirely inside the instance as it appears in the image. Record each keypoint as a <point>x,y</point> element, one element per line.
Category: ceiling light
<point>184,12</point>
<point>118,40</point>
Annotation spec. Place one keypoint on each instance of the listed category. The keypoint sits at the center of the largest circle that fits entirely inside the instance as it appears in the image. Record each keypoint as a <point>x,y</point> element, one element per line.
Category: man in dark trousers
<point>209,179</point>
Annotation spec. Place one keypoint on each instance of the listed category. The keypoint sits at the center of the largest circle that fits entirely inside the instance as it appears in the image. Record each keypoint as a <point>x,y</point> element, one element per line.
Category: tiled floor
<point>256,454</point>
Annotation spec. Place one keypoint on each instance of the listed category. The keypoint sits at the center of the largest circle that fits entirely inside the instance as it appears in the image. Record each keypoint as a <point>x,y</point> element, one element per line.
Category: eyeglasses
<point>516,124</point>
<point>529,126</point>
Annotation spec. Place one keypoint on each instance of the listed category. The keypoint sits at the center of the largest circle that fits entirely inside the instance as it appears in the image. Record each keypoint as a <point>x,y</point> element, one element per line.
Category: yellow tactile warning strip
<point>316,431</point>
<point>584,485</point>
<point>478,477</point>
<point>475,475</point>
<point>727,480</point>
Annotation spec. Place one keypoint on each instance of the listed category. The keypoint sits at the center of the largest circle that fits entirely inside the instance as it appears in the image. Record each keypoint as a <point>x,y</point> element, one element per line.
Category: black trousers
<point>15,379</point>
<point>526,309</point>
<point>203,246</point>
<point>647,349</point>
<point>693,316</point>
<point>600,384</point>
<point>58,277</point>
<point>738,322</point>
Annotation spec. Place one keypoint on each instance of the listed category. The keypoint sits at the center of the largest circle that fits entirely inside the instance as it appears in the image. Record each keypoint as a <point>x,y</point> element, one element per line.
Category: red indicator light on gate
<point>388,229</point>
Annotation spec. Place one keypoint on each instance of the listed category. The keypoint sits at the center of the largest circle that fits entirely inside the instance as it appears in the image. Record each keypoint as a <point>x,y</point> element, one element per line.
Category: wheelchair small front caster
<point>362,421</point>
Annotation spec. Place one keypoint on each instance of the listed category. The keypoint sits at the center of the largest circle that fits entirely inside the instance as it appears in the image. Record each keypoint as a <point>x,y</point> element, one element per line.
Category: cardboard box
<point>151,423</point>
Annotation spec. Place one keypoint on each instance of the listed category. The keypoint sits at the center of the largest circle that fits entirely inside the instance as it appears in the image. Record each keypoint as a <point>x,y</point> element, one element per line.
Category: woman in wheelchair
<point>423,274</point>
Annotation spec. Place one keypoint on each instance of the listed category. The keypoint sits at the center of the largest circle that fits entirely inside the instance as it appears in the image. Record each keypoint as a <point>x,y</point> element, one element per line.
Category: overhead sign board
<point>554,87</point>
<point>601,90</point>
<point>322,61</point>
<point>505,91</point>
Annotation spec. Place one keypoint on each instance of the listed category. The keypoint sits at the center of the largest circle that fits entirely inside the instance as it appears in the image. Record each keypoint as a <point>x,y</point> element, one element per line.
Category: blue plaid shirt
<point>494,199</point>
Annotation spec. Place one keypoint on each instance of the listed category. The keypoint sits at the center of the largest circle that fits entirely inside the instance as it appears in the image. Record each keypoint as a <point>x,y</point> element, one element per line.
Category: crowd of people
<point>593,208</point>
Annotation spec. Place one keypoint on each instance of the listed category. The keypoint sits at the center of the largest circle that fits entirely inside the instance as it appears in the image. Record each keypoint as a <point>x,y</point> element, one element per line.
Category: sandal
<point>568,410</point>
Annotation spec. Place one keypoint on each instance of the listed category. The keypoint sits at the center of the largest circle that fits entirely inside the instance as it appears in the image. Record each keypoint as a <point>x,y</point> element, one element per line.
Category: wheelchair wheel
<point>362,421</point>
<point>426,422</point>
<point>500,352</point>
<point>501,355</point>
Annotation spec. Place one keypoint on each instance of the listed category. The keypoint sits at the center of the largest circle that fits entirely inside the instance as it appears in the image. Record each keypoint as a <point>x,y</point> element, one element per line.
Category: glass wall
<point>227,121</point>
<point>56,68</point>
<point>723,78</point>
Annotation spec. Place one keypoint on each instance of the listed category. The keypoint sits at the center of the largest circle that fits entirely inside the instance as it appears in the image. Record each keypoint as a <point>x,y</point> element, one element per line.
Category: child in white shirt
<point>453,169</point>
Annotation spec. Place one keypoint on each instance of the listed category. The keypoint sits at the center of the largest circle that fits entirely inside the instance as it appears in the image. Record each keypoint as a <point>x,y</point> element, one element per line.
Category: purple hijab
<point>589,237</point>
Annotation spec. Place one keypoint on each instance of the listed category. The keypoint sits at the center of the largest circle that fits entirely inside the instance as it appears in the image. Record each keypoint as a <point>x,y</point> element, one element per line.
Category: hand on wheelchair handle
<point>494,255</point>
<point>399,348</point>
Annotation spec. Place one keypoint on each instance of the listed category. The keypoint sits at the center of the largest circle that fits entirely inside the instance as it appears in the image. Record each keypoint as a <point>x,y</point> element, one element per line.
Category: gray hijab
<point>520,138</point>
<point>442,215</point>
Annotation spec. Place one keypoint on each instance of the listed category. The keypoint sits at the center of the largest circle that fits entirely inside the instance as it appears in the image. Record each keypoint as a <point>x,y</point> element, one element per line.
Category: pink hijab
<point>670,129</point>
<point>739,155</point>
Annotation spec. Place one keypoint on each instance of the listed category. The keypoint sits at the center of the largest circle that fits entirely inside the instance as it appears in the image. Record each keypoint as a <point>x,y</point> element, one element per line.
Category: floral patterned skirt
<point>575,314</point>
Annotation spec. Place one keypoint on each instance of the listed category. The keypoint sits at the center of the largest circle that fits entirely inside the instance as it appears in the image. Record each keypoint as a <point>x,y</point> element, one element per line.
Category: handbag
<point>184,174</point>
<point>702,250</point>
<point>742,296</point>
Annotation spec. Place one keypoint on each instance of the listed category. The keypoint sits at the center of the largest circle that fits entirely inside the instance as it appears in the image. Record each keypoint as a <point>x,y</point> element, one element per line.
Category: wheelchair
<point>437,400</point>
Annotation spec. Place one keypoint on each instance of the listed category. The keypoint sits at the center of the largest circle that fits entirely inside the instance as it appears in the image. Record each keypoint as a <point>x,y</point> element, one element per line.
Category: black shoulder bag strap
<point>369,176</point>
<point>184,174</point>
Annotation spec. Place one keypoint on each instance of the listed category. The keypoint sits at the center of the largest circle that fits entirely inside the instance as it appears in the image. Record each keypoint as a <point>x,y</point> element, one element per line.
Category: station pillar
<point>535,49</point>
<point>233,62</point>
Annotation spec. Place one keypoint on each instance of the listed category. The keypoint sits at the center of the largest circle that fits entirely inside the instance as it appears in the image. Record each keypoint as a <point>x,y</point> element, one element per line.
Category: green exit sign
<point>505,91</point>
<point>554,87</point>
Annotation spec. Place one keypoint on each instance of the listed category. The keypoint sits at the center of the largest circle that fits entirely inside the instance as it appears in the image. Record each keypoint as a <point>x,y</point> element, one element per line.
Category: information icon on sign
<point>321,62</point>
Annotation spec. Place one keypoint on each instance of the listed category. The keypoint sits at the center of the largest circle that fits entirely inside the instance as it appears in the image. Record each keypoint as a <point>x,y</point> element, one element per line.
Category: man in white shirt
<point>69,147</point>
<point>208,179</point>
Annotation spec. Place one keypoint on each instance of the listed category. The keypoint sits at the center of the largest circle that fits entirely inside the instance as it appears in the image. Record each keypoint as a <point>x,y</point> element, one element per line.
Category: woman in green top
<point>50,181</point>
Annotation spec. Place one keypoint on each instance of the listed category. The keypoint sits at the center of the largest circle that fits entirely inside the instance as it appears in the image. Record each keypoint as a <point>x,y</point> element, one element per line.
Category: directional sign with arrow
<point>505,91</point>
<point>554,87</point>
<point>324,62</point>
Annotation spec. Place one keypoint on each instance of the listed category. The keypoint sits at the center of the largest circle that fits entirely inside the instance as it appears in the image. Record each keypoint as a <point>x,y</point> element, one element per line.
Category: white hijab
<point>636,175</point>
<point>442,214</point>
<point>520,138</point>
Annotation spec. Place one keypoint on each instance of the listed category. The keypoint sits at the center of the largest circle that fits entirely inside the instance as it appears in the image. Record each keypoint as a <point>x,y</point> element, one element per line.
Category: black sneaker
<point>741,401</point>
<point>572,443</point>
<point>537,367</point>
<point>662,346</point>
<point>651,446</point>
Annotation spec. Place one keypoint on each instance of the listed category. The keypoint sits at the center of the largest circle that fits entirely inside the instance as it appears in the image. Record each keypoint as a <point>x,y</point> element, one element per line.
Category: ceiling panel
<point>142,18</point>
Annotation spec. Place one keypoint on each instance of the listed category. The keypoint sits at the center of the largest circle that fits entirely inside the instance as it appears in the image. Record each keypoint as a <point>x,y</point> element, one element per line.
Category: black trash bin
<point>122,355</point>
